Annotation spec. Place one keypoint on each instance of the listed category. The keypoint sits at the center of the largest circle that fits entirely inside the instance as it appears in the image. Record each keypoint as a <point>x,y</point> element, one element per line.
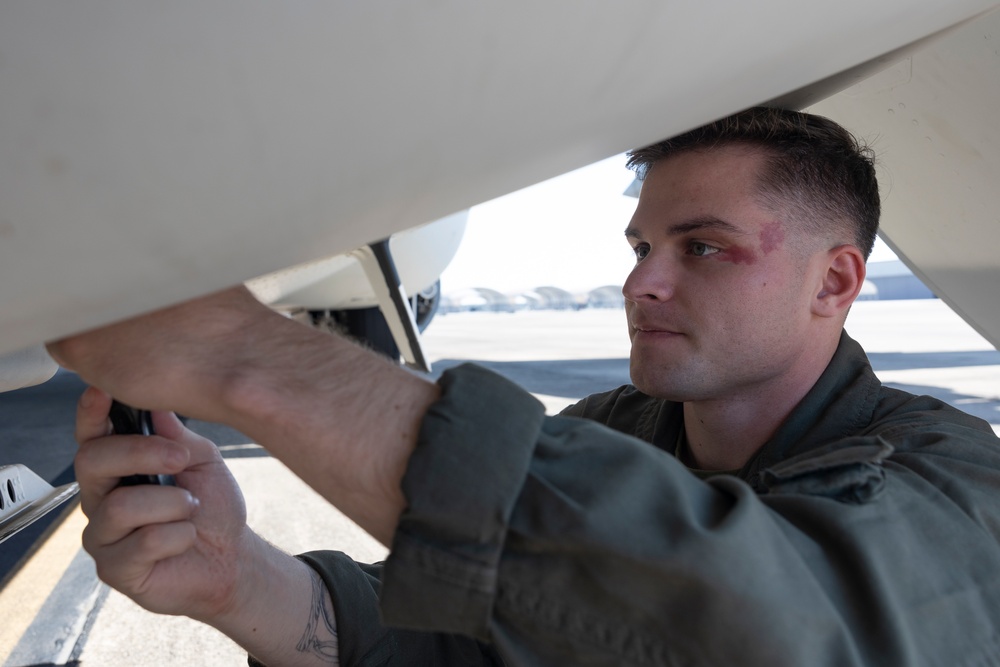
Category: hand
<point>174,550</point>
<point>187,549</point>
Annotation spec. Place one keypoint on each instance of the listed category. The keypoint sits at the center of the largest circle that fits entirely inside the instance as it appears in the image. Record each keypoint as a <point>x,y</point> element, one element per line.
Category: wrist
<point>246,575</point>
<point>265,614</point>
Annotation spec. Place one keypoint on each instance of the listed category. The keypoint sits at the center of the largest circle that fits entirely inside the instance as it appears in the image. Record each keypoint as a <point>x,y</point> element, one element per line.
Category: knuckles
<point>153,539</point>
<point>118,508</point>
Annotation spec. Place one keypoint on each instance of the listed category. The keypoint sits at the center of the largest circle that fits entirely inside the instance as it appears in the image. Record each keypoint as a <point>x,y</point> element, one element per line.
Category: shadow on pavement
<point>896,361</point>
<point>567,378</point>
<point>977,406</point>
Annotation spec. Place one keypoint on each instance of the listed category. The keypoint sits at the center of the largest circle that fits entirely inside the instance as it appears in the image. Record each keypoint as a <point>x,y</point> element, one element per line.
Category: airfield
<point>54,611</point>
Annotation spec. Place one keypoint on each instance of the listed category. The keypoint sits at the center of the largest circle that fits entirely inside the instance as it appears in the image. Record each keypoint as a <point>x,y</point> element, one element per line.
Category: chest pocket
<point>849,471</point>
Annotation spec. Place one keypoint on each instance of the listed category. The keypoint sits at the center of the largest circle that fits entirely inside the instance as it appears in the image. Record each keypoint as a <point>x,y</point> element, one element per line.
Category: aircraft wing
<point>153,152</point>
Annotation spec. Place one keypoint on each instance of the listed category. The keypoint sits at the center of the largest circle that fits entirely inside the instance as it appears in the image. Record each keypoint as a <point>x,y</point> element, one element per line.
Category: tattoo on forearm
<point>320,636</point>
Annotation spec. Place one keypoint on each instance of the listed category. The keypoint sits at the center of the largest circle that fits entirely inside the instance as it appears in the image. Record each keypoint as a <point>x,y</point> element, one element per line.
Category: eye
<point>640,250</point>
<point>699,249</point>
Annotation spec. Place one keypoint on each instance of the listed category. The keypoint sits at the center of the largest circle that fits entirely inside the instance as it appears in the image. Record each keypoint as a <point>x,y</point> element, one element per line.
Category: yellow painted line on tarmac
<point>26,592</point>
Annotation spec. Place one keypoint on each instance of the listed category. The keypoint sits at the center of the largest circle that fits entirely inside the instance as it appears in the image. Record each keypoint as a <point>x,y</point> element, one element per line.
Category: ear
<point>842,278</point>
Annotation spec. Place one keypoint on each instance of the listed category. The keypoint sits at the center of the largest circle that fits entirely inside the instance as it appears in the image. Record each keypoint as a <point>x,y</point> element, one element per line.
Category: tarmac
<point>54,611</point>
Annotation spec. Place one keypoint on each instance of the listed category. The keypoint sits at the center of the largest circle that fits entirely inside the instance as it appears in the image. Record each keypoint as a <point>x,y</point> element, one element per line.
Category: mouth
<point>642,324</point>
<point>654,330</point>
<point>647,324</point>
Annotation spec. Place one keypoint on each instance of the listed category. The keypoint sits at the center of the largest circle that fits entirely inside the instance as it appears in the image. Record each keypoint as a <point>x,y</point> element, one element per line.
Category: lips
<point>645,326</point>
<point>644,319</point>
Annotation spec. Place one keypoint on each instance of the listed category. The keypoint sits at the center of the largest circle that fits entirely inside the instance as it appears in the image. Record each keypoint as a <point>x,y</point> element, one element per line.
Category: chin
<point>666,382</point>
<point>656,389</point>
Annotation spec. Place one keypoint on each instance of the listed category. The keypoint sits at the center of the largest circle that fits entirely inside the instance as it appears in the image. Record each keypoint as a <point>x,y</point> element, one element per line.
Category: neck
<point>724,434</point>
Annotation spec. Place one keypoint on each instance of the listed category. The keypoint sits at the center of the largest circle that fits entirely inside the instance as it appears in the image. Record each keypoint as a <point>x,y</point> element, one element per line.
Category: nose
<point>652,279</point>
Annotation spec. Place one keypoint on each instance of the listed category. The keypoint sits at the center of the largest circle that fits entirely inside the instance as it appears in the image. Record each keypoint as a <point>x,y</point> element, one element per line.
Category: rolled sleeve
<point>461,485</point>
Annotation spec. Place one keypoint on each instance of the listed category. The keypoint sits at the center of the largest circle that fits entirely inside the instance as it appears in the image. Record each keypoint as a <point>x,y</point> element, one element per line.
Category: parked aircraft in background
<point>151,152</point>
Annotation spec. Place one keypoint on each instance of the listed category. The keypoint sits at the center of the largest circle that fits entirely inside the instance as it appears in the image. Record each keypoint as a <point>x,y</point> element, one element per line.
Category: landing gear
<point>368,325</point>
<point>425,305</point>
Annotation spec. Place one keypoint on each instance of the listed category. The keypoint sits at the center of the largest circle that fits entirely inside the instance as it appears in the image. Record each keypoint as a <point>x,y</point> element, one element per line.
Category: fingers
<point>126,510</point>
<point>102,460</point>
<point>92,415</point>
<point>101,463</point>
<point>128,565</point>
<point>135,528</point>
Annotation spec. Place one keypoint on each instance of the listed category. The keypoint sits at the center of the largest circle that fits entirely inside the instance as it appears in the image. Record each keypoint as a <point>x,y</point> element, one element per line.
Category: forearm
<point>340,417</point>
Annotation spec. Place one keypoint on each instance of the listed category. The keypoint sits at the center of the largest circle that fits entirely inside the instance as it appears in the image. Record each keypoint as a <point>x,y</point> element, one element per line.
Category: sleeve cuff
<point>463,479</point>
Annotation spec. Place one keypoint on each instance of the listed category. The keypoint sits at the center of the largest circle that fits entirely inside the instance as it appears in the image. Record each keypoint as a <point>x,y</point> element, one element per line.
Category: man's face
<point>718,302</point>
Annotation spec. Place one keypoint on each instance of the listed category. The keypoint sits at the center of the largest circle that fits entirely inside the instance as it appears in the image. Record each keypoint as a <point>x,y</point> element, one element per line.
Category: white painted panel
<point>155,151</point>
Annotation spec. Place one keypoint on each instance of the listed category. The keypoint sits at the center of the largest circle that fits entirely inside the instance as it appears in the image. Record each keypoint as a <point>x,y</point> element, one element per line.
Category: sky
<point>566,232</point>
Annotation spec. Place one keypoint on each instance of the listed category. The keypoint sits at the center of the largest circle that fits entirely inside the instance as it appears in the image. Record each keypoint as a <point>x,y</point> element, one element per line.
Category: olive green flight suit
<point>865,532</point>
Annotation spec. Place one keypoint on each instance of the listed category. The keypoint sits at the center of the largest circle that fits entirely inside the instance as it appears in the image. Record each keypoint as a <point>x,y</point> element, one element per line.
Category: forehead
<point>720,174</point>
<point>720,184</point>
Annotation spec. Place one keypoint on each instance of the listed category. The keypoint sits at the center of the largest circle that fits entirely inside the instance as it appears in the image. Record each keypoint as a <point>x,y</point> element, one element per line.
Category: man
<point>757,498</point>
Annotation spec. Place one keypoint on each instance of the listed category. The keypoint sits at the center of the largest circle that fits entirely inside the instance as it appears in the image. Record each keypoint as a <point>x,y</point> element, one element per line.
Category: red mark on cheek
<point>771,237</point>
<point>737,255</point>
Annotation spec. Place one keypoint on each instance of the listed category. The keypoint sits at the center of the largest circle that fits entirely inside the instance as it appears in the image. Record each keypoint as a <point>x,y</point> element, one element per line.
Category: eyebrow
<point>701,222</point>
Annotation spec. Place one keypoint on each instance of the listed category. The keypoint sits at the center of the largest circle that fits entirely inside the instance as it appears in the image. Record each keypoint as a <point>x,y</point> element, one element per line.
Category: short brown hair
<point>815,168</point>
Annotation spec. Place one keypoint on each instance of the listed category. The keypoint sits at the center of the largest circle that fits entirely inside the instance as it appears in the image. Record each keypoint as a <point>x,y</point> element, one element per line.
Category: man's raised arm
<point>340,417</point>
